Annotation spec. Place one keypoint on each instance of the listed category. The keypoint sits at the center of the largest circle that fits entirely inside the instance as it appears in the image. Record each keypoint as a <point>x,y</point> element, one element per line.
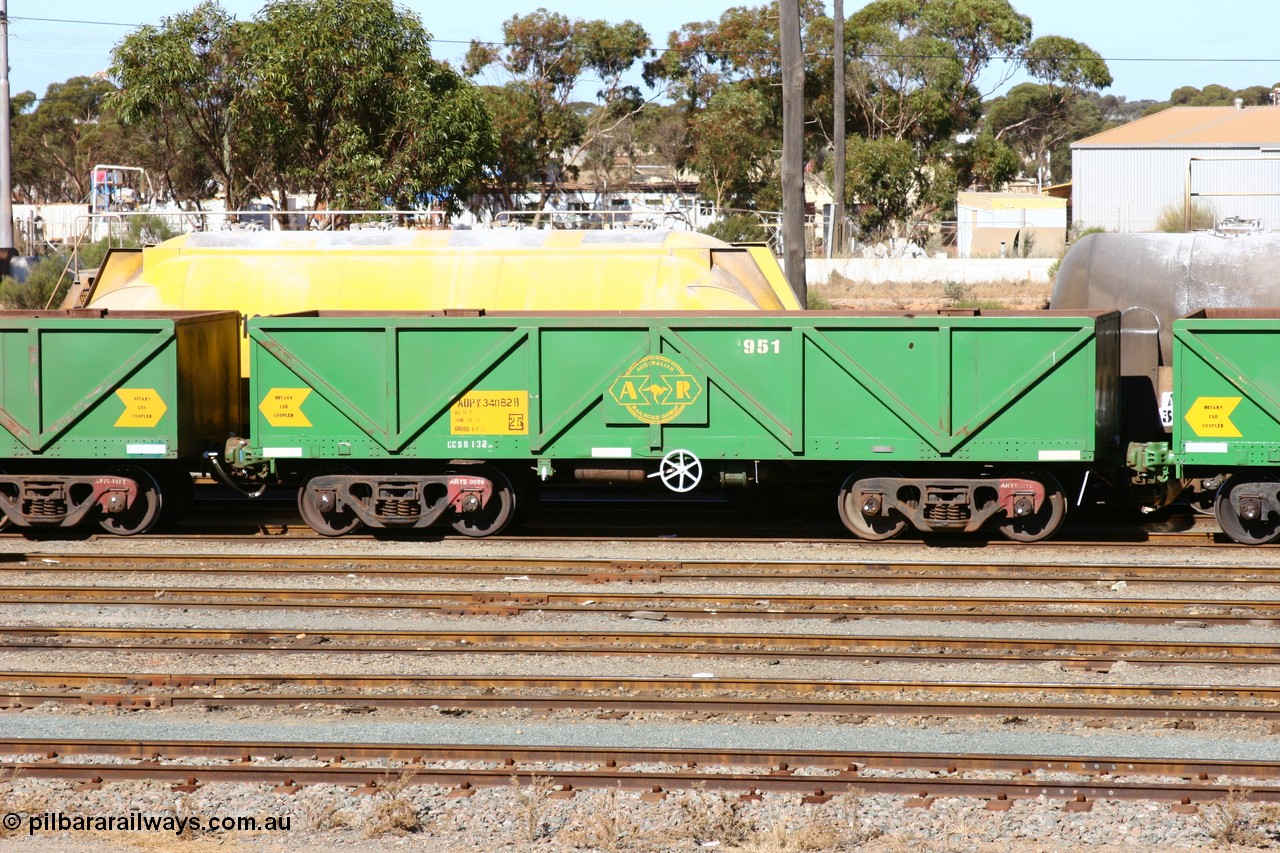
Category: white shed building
<point>998,225</point>
<point>1226,159</point>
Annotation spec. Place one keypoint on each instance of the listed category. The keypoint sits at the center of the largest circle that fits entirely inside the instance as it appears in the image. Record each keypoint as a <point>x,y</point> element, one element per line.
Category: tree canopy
<point>346,101</point>
<point>55,146</point>
<point>342,100</point>
<point>543,137</point>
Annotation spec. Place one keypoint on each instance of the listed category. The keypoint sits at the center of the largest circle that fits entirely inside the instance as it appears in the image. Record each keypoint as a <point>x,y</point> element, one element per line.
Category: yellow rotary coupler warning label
<point>282,407</point>
<point>1210,417</point>
<point>490,413</point>
<point>142,407</point>
<point>655,390</point>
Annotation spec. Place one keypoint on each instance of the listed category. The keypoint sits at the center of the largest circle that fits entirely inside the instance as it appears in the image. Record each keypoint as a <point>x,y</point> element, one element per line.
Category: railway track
<point>613,696</point>
<point>812,774</point>
<point>666,605</point>
<point>1126,539</point>
<point>604,570</point>
<point>1084,653</point>
<point>148,581</point>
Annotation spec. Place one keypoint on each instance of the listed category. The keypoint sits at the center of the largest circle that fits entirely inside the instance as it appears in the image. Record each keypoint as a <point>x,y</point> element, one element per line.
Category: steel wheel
<point>4,519</point>
<point>496,514</point>
<point>145,511</point>
<point>874,527</point>
<point>1045,522</point>
<point>1259,531</point>
<point>337,523</point>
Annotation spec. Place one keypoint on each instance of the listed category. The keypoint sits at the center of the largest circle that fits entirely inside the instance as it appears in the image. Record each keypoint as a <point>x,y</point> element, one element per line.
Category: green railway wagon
<point>103,413</point>
<point>939,420</point>
<point>1226,365</point>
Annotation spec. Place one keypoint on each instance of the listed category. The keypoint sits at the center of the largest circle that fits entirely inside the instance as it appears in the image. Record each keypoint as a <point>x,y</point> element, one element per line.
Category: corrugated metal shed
<point>1009,224</point>
<point>1124,178</point>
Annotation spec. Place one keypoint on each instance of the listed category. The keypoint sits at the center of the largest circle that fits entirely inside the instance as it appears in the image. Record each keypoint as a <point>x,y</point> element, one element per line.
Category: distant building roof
<point>1194,127</point>
<point>1009,201</point>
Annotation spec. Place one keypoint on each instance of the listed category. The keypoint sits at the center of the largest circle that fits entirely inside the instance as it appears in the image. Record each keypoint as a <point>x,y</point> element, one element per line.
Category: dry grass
<point>324,813</point>
<point>394,814</point>
<point>28,803</point>
<point>842,293</point>
<point>818,830</point>
<point>156,841</point>
<point>714,817</point>
<point>1236,822</point>
<point>533,806</point>
<point>807,836</point>
<point>604,823</point>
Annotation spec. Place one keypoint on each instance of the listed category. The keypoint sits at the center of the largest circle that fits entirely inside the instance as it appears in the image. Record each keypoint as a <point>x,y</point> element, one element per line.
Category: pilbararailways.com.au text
<point>142,822</point>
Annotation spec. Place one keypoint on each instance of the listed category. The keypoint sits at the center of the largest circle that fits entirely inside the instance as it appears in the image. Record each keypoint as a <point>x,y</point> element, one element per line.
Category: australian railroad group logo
<point>655,390</point>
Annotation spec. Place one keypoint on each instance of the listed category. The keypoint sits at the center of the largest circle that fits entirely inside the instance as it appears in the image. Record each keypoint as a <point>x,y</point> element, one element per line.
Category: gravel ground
<point>528,818</point>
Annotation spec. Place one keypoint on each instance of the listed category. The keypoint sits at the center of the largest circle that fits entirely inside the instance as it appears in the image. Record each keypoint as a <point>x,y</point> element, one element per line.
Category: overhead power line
<point>771,54</point>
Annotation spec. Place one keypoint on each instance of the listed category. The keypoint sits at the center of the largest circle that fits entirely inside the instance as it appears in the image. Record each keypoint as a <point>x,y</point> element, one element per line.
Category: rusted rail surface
<point>498,602</point>
<point>554,687</point>
<point>683,757</point>
<point>764,703</point>
<point>625,571</point>
<point>801,772</point>
<point>822,646</point>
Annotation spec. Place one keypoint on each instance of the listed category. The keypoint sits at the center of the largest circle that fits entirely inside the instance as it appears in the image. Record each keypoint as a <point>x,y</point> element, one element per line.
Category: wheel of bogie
<point>497,513</point>
<point>1043,523</point>
<point>1260,531</point>
<point>338,523</point>
<point>145,511</point>
<point>875,527</point>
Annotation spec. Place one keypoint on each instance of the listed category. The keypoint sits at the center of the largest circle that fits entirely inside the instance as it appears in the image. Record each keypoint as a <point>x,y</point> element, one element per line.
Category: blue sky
<point>1152,46</point>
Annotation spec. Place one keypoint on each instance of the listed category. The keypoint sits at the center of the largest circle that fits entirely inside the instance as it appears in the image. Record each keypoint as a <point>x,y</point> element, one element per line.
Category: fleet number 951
<point>761,346</point>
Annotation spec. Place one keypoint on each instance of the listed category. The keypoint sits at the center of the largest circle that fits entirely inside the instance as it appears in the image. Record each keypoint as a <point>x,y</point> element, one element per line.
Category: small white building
<point>1010,225</point>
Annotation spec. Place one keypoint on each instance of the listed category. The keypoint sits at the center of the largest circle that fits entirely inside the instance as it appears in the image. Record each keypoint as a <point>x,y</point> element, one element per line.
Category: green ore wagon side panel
<point>1012,386</point>
<point>122,385</point>
<point>1226,399</point>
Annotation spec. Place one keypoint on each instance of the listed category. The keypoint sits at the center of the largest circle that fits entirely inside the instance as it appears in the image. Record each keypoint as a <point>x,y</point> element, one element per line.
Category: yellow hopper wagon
<point>265,272</point>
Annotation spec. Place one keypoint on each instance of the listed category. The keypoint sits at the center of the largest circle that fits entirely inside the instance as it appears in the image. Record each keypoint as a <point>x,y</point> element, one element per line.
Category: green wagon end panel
<point>1033,386</point>
<point>98,385</point>
<point>1226,407</point>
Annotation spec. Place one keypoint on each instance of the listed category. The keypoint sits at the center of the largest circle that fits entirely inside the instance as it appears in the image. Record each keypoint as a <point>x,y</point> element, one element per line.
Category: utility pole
<point>837,183</point>
<point>7,250</point>
<point>792,148</point>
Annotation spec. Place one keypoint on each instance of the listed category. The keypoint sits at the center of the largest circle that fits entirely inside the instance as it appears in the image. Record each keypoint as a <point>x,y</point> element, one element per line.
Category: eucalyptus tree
<point>56,144</point>
<point>737,59</point>
<point>544,138</point>
<point>190,72</point>
<point>733,140</point>
<point>348,104</point>
<point>342,100</point>
<point>1042,119</point>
